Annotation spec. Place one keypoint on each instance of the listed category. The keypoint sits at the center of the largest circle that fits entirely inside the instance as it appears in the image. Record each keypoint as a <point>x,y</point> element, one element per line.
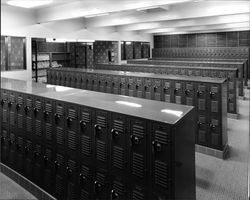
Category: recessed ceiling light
<point>29,3</point>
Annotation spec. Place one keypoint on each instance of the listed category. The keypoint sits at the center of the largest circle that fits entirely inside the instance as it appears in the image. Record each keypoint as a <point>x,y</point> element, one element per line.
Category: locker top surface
<point>147,75</point>
<point>171,66</point>
<point>147,109</point>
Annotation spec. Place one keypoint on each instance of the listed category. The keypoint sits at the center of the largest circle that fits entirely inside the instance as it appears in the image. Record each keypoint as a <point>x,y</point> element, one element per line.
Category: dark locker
<point>123,85</point>
<point>178,92</point>
<point>139,83</point>
<point>167,85</point>
<point>86,135</point>
<point>86,182</point>
<point>214,98</point>
<point>73,80</point>
<point>118,143</point>
<point>102,83</point>
<point>47,121</point>
<point>20,114</point>
<point>37,164</point>
<point>28,159</point>
<point>116,84</point>
<point>138,149</point>
<point>118,188</point>
<point>59,124</point>
<point>157,89</point>
<point>4,104</point>
<point>78,80</point>
<point>202,136</point>
<point>101,184</point>
<point>83,80</point>
<point>28,115</point>
<point>12,150</point>
<point>148,88</point>
<point>48,169</point>
<point>38,118</point>
<point>66,78</point>
<point>161,160</point>
<point>137,191</point>
<point>19,155</point>
<point>4,146</point>
<point>59,173</point>
<point>89,81</point>
<point>12,110</point>
<point>189,94</point>
<point>95,82</point>
<point>131,87</point>
<point>201,97</point>
<point>215,130</point>
<point>71,176</point>
<point>108,84</point>
<point>101,133</point>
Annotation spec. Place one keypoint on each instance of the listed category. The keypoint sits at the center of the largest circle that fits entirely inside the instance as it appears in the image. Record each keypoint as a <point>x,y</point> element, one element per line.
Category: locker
<point>178,88</point>
<point>28,159</point>
<point>118,137</point>
<point>202,130</point>
<point>4,104</point>
<point>95,82</point>
<point>109,85</point>
<point>59,173</point>
<point>118,188</point>
<point>12,110</point>
<point>116,84</point>
<point>101,184</point>
<point>123,85</point>
<point>137,192</point>
<point>37,164</point>
<point>38,118</point>
<point>47,121</point>
<point>148,88</point>
<point>73,80</point>
<point>102,83</point>
<point>28,115</point>
<point>167,91</point>
<point>189,94</point>
<point>12,150</point>
<point>59,124</point>
<point>89,82</point>
<point>86,182</point>
<point>19,155</point>
<point>81,80</point>
<point>131,87</point>
<point>201,97</point>
<point>139,87</point>
<point>214,98</point>
<point>215,132</point>
<point>157,89</point>
<point>4,146</point>
<point>20,114</point>
<point>71,177</point>
<point>67,77</point>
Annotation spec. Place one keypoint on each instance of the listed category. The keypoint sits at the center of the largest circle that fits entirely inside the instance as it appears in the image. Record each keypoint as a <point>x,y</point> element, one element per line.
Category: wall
<point>221,39</point>
<point>21,22</point>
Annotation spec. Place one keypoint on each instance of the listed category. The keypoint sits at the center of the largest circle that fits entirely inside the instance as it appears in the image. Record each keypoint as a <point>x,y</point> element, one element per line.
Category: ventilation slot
<point>20,121</point>
<point>48,131</point>
<point>48,107</point>
<point>38,149</point>
<point>72,140</point>
<point>136,195</point>
<point>59,135</point>
<point>29,124</point>
<point>138,131</point>
<point>85,171</point>
<point>118,126</point>
<point>72,113</point>
<point>86,147</point>
<point>72,165</point>
<point>12,98</point>
<point>100,178</point>
<point>118,157</point>
<point>20,100</point>
<point>59,110</point>
<point>12,118</point>
<point>162,137</point>
<point>101,151</point>
<point>38,105</point>
<point>138,165</point>
<point>84,195</point>
<point>161,174</point>
<point>29,102</point>
<point>101,121</point>
<point>38,126</point>
<point>59,185</point>
<point>119,187</point>
<point>85,117</point>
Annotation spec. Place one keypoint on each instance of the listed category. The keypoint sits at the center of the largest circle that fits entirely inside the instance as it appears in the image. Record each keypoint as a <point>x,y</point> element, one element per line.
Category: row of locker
<point>240,75</point>
<point>209,96</point>
<point>229,74</point>
<point>78,152</point>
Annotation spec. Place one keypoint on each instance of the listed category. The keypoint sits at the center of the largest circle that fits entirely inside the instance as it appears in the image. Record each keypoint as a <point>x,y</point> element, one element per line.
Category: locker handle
<point>187,92</point>
<point>114,133</point>
<point>3,139</point>
<point>83,124</point>
<point>3,102</point>
<point>10,103</point>
<point>57,116</point>
<point>136,86</point>
<point>45,113</point>
<point>45,158</point>
<point>134,139</point>
<point>199,124</point>
<point>176,90</point>
<point>165,89</point>
<point>145,87</point>
<point>36,154</point>
<point>27,108</point>
<point>56,164</point>
<point>11,142</point>
<point>199,92</point>
<point>69,171</point>
<point>155,88</point>
<point>82,178</point>
<point>114,194</point>
<point>98,128</point>
<point>98,186</point>
<point>212,126</point>
<point>18,106</point>
<point>157,146</point>
<point>121,84</point>
<point>69,120</point>
<point>36,110</point>
<point>212,94</point>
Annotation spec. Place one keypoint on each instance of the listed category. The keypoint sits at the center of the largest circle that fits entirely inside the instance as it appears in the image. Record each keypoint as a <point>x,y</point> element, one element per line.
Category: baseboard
<point>222,154</point>
<point>233,116</point>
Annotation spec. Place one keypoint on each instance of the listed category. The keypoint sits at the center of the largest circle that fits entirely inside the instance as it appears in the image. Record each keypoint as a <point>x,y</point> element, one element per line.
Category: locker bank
<point>125,100</point>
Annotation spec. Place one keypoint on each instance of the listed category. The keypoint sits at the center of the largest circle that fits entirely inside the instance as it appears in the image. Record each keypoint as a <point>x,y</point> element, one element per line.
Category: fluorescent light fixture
<point>29,3</point>
<point>62,88</point>
<point>60,40</point>
<point>96,15</point>
<point>126,103</point>
<point>147,8</point>
<point>172,112</point>
<point>81,40</point>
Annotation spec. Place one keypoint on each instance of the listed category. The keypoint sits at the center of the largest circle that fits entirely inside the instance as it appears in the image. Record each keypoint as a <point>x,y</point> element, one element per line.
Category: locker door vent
<point>118,126</point>
<point>86,145</point>
<point>101,151</point>
<point>161,174</point>
<point>38,104</point>
<point>12,118</point>
<point>85,171</point>
<point>12,98</point>
<point>71,192</point>
<point>29,124</point>
<point>118,157</point>
<point>29,144</point>
<point>72,140</point>
<point>72,113</point>
<point>20,121</point>
<point>4,116</point>
<point>59,185</point>
<point>119,188</point>
<point>84,195</point>
<point>29,102</point>
<point>38,129</point>
<point>162,137</point>
<point>59,110</point>
<point>101,121</point>
<point>85,117</point>
<point>20,100</point>
<point>48,107</point>
<point>48,131</point>
<point>138,131</point>
<point>59,135</point>
<point>138,165</point>
<point>100,178</point>
<point>137,195</point>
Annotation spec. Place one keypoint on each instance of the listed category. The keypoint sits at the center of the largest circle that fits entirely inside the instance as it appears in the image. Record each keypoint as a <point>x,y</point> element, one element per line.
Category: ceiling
<point>150,16</point>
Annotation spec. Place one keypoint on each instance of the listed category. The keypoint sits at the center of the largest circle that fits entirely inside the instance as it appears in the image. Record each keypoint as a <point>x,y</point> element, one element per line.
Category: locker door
<point>37,164</point>
<point>48,121</point>
<point>59,174</point>
<point>118,188</point>
<point>28,113</point>
<point>139,87</point>
<point>4,104</point>
<point>167,91</point>
<point>108,84</point>
<point>85,181</point>
<point>95,82</point>
<point>28,159</point>
<point>12,110</point>
<point>138,150</point>
<point>12,150</point>
<point>148,88</point>
<point>215,130</point>
<point>137,192</point>
<point>67,78</point>
<point>178,92</point>
<point>101,138</point>
<point>123,84</point>
<point>73,82</point>
<point>157,89</point>
<point>202,136</point>
<point>118,143</point>
<point>38,117</point>
<point>182,72</point>
<point>101,184</point>
<point>20,114</point>
<point>214,98</point>
<point>189,94</point>
<point>4,146</point>
<point>48,172</point>
<point>88,81</point>
<point>131,87</point>
<point>116,85</point>
<point>19,155</point>
<point>102,86</point>
<point>82,80</point>
<point>161,161</point>
<point>86,136</point>
<point>59,122</point>
<point>197,72</point>
<point>71,175</point>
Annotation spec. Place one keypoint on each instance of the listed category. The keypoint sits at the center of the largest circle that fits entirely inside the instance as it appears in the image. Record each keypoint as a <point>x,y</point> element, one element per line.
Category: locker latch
<point>155,88</point>
<point>114,194</point>
<point>157,146</point>
<point>45,113</point>
<point>57,117</point>
<point>82,179</point>
<point>187,92</point>
<point>82,124</point>
<point>199,93</point>
<point>3,102</point>
<point>69,120</point>
<point>36,110</point>
<point>11,142</point>
<point>98,186</point>
<point>56,164</point>
<point>98,128</point>
<point>27,108</point>
<point>212,126</point>
<point>10,103</point>
<point>18,106</point>
<point>212,94</point>
<point>134,139</point>
<point>114,133</point>
<point>45,158</point>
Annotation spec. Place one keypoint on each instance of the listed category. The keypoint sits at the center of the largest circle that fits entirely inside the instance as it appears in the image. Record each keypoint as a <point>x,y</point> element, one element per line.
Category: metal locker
<point>37,164</point>
<point>12,110</point>
<point>201,97</point>
<point>102,83</point>
<point>118,143</point>
<point>131,87</point>
<point>12,150</point>
<point>95,82</point>
<point>139,87</point>
<point>47,122</point>
<point>178,87</point>
<point>88,81</point>
<point>86,136</point>
<point>167,91</point>
<point>137,192</point>
<point>4,104</point>
<point>161,156</point>
<point>201,137</point>
<point>59,124</point>
<point>20,114</point>
<point>116,84</point>
<point>189,94</point>
<point>28,159</point>
<point>101,134</point>
<point>214,98</point>
<point>49,76</point>
<point>85,181</point>
<point>157,90</point>
<point>71,177</point>
<point>59,173</point>
<point>81,80</point>
<point>4,146</point>
<point>215,130</point>
<point>78,83</point>
<point>101,184</point>
<point>123,85</point>
<point>138,166</point>
<point>19,155</point>
<point>148,88</point>
<point>73,79</point>
<point>38,117</point>
<point>48,169</point>
<point>108,84</point>
<point>118,188</point>
<point>28,115</point>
